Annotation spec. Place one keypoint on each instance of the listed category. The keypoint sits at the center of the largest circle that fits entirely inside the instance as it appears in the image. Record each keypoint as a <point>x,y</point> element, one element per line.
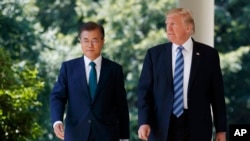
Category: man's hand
<point>59,130</point>
<point>144,132</point>
<point>220,136</point>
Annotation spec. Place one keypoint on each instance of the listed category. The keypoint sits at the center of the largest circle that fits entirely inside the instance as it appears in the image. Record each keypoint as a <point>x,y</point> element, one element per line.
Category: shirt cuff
<point>124,140</point>
<point>55,123</point>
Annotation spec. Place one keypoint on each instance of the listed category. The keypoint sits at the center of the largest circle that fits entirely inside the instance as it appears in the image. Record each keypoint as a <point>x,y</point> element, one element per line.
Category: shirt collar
<point>188,45</point>
<point>97,61</point>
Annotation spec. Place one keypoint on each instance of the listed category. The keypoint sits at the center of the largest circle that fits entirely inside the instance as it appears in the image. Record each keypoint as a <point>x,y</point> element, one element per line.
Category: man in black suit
<point>92,87</point>
<point>185,72</point>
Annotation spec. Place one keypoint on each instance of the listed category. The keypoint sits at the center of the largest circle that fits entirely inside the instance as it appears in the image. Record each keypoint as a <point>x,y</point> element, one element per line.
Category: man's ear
<point>189,28</point>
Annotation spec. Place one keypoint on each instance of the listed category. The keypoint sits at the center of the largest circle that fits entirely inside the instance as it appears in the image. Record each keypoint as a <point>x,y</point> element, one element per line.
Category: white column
<point>203,14</point>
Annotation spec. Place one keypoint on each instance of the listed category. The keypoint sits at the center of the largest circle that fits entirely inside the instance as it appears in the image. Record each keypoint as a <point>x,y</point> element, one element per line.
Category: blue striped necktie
<point>92,80</point>
<point>178,83</point>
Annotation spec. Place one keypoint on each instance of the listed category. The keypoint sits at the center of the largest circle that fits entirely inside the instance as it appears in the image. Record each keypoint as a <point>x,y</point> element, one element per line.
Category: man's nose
<point>90,44</point>
<point>169,28</point>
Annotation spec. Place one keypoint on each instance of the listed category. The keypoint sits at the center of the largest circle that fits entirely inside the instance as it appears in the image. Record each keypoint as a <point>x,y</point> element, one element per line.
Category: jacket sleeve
<point>218,99</point>
<point>145,90</point>
<point>58,96</point>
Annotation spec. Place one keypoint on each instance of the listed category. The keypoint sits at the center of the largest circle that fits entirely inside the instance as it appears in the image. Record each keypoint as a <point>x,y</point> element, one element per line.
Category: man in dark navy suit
<point>181,81</point>
<point>96,104</point>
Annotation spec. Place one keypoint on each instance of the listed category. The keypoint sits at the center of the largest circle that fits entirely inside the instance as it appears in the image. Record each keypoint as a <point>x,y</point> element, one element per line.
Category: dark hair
<point>91,26</point>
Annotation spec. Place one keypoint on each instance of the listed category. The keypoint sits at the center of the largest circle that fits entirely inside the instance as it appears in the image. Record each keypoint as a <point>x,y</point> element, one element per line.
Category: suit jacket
<point>106,116</point>
<point>205,88</point>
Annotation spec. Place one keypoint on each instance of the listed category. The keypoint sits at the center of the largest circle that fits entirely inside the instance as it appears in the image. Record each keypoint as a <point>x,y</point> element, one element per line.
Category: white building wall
<point>203,13</point>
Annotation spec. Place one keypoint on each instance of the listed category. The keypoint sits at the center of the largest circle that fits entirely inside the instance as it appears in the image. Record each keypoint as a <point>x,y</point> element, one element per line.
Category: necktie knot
<point>92,64</point>
<point>180,48</point>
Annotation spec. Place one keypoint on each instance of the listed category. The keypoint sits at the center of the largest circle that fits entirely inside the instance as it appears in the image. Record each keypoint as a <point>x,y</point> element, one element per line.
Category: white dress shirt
<point>187,56</point>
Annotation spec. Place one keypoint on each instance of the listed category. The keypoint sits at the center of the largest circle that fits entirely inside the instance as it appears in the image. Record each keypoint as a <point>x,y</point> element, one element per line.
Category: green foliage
<point>231,24</point>
<point>236,73</point>
<point>18,99</point>
<point>232,40</point>
<point>57,14</point>
<point>17,25</point>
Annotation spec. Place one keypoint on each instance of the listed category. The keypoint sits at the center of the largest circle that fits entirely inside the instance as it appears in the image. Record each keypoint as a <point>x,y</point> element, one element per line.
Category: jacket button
<point>89,121</point>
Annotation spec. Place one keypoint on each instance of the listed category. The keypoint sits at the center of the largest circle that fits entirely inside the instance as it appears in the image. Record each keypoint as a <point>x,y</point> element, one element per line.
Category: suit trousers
<point>90,138</point>
<point>179,128</point>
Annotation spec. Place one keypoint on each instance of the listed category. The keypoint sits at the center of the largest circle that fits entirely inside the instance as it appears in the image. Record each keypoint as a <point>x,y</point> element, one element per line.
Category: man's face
<point>91,43</point>
<point>177,30</point>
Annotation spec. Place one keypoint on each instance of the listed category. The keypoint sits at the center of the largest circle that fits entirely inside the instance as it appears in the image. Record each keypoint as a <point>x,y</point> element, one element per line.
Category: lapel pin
<point>197,53</point>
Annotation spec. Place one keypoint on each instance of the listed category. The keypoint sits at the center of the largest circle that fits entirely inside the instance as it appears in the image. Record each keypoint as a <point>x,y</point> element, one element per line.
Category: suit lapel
<point>167,68</point>
<point>195,63</point>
